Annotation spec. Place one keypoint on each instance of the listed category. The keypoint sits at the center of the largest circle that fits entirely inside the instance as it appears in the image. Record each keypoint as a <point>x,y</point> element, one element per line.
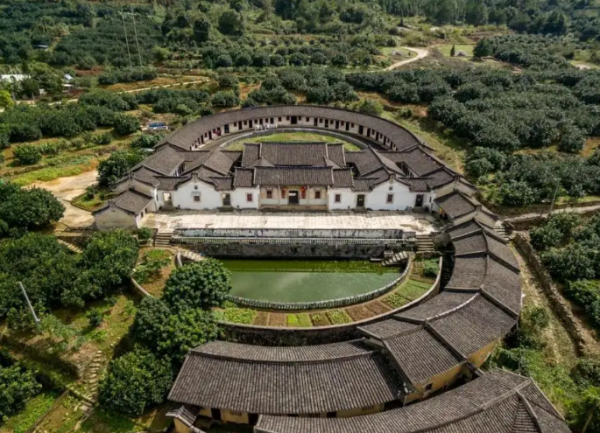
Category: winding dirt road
<point>421,53</point>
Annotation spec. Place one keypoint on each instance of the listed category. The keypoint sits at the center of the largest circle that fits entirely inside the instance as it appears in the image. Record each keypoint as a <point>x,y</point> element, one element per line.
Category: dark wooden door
<point>360,200</point>
<point>294,197</point>
<point>419,201</point>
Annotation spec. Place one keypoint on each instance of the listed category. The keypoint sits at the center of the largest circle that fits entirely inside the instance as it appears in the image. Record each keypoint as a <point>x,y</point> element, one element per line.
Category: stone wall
<point>247,250</point>
<point>295,233</point>
<point>559,305</point>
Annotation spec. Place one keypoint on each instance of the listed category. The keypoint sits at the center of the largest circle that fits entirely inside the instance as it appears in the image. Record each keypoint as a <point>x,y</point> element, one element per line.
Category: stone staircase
<point>163,238</point>
<point>70,246</point>
<point>502,232</point>
<point>425,244</point>
<point>396,259</point>
<point>93,378</point>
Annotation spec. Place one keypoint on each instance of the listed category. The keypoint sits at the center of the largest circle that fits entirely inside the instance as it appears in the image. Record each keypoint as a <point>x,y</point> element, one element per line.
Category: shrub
<point>125,124</point>
<point>27,154</point>
<point>172,333</point>
<point>370,106</point>
<point>102,139</point>
<point>95,317</point>
<point>225,99</point>
<point>430,268</point>
<point>144,234</point>
<point>116,166</point>
<point>26,209</point>
<point>17,385</point>
<point>198,285</point>
<point>135,381</point>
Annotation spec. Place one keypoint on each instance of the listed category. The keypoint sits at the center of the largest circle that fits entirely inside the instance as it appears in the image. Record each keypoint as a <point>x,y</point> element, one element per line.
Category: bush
<point>146,141</point>
<point>171,333</point>
<point>370,106</point>
<point>430,268</point>
<point>225,99</point>
<point>102,139</point>
<point>144,234</point>
<point>125,124</point>
<point>203,285</point>
<point>111,170</point>
<point>27,154</point>
<point>134,382</point>
<point>26,209</point>
<point>95,317</point>
<point>17,385</point>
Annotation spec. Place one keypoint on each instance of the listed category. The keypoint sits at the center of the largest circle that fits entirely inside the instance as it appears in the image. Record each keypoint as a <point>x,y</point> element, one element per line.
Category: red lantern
<point>283,192</point>
<point>303,192</point>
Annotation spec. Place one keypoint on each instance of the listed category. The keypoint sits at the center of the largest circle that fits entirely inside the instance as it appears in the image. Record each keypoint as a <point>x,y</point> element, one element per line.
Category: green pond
<point>306,280</point>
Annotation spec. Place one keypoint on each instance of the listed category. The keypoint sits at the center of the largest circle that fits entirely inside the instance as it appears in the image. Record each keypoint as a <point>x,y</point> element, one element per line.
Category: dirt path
<point>421,53</point>
<point>526,216</point>
<point>66,189</point>
<point>560,348</point>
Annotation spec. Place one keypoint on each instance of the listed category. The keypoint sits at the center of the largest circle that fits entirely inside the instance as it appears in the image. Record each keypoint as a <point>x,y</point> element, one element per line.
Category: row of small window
<point>317,194</point>
<point>249,198</point>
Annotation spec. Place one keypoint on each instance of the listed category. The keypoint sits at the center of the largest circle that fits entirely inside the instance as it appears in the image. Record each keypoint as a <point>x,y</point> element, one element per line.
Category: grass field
<point>36,407</point>
<point>446,48</point>
<point>293,136</point>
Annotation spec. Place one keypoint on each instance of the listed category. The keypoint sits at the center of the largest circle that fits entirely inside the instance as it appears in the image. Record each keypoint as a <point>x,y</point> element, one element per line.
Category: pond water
<point>306,280</point>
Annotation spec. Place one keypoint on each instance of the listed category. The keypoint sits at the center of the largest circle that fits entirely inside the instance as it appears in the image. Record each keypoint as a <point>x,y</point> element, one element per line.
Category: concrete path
<point>419,223</point>
<point>534,215</point>
<point>421,53</point>
<point>66,189</point>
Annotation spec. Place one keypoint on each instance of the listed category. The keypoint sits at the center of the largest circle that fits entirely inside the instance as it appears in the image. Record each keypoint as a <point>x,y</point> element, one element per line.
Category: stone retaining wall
<point>295,250</point>
<point>559,305</point>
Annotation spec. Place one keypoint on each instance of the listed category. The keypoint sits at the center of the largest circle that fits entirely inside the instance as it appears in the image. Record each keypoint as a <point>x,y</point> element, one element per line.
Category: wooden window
<point>249,198</point>
<point>318,194</point>
<point>429,387</point>
<point>196,198</point>
<point>269,193</point>
<point>338,198</point>
<point>390,198</point>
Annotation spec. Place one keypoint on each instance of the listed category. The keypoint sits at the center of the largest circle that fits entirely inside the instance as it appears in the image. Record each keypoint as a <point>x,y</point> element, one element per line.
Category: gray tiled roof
<point>469,272</point>
<point>243,178</point>
<point>490,404</point>
<point>420,355</point>
<point>130,201</point>
<point>342,178</point>
<point>186,136</point>
<point>474,326</point>
<point>164,160</point>
<point>440,304</point>
<point>455,204</point>
<point>387,328</point>
<point>283,382</point>
<point>309,176</point>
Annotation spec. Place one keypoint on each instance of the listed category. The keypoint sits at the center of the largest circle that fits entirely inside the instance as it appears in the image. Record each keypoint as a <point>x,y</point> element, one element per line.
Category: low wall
<point>295,250</point>
<point>379,234</point>
<point>560,306</point>
<point>332,303</point>
<point>274,336</point>
<point>528,222</point>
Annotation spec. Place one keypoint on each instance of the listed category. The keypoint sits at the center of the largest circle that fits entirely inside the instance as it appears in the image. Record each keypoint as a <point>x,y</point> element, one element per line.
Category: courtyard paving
<point>408,221</point>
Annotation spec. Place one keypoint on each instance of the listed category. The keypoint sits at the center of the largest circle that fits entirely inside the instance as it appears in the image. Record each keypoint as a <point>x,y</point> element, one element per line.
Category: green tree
<point>370,106</point>
<point>6,100</point>
<point>201,285</point>
<point>483,48</point>
<point>126,124</point>
<point>27,209</point>
<point>135,381</point>
<point>453,51</point>
<point>202,28</point>
<point>17,385</point>
<point>587,410</point>
<point>173,334</point>
<point>116,166</point>
<point>231,23</point>
<point>27,154</point>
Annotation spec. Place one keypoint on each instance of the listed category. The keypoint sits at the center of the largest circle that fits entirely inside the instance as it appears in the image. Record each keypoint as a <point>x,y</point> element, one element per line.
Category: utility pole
<point>126,39</point>
<point>137,43</point>
<point>554,196</point>
<point>35,317</point>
